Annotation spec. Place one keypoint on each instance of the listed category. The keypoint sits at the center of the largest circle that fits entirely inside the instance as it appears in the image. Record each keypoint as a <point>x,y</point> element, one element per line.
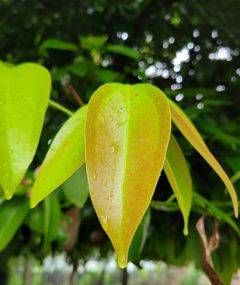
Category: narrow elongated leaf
<point>127,134</point>
<point>215,211</point>
<point>12,214</point>
<point>235,177</point>
<point>178,175</point>
<point>57,44</point>
<point>124,50</point>
<point>65,156</point>
<point>24,94</point>
<point>76,187</point>
<point>191,134</point>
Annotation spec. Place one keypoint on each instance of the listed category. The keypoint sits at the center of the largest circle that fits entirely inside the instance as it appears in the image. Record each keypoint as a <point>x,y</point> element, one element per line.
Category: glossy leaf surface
<point>127,134</point>
<point>65,156</point>
<point>189,131</point>
<point>178,175</point>
<point>12,214</point>
<point>24,94</point>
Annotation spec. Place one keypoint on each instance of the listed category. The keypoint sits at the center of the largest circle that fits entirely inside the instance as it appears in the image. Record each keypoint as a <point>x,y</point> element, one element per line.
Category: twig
<point>75,94</point>
<point>207,247</point>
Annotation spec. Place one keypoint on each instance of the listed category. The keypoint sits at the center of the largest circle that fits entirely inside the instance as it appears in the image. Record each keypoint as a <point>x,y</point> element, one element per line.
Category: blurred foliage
<point>189,49</point>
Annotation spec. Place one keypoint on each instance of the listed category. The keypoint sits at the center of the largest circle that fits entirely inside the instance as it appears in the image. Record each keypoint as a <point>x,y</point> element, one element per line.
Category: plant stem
<point>75,94</point>
<point>59,107</point>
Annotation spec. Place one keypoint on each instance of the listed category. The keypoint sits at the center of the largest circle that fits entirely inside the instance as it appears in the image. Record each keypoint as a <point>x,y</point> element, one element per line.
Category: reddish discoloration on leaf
<point>127,134</point>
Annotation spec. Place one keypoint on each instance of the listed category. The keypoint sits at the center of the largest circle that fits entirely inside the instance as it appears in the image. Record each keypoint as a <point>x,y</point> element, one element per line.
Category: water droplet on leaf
<point>104,222</point>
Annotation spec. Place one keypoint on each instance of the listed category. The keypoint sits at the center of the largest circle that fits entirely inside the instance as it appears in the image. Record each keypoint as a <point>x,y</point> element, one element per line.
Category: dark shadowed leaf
<point>76,187</point>
<point>124,50</point>
<point>12,214</point>
<point>52,218</point>
<point>57,44</point>
<point>139,238</point>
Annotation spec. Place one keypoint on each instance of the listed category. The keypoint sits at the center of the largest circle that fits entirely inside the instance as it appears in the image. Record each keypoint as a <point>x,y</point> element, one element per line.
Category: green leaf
<point>192,135</point>
<point>24,94</point>
<point>57,44</point>
<point>124,50</point>
<point>65,156</point>
<point>52,218</point>
<point>219,133</point>
<point>35,220</point>
<point>178,175</point>
<point>76,187</point>
<point>235,177</point>
<point>215,211</point>
<point>60,73</point>
<point>229,250</point>
<point>106,75</point>
<point>234,163</point>
<point>79,68</point>
<point>12,214</point>
<point>93,42</point>
<point>139,238</point>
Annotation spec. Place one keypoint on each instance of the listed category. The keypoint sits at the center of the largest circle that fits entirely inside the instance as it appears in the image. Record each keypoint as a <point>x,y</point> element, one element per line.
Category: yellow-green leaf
<point>24,94</point>
<point>178,175</point>
<point>65,156</point>
<point>127,134</point>
<point>189,131</point>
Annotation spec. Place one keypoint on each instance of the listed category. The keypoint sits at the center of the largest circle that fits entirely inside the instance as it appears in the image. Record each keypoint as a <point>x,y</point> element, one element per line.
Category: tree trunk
<point>71,279</point>
<point>27,271</point>
<point>101,279</point>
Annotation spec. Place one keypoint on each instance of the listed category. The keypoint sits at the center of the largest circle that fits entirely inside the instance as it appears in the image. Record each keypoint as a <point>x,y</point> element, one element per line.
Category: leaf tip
<point>122,260</point>
<point>33,203</point>
<point>8,195</point>
<point>185,230</point>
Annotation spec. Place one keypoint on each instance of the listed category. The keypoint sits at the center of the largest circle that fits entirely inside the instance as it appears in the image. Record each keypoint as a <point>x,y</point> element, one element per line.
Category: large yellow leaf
<point>65,156</point>
<point>24,94</point>
<point>127,134</point>
<point>191,134</point>
<point>179,177</point>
